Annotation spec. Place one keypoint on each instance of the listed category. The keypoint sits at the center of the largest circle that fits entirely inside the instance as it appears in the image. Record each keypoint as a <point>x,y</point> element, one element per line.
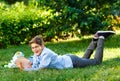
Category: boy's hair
<point>37,39</point>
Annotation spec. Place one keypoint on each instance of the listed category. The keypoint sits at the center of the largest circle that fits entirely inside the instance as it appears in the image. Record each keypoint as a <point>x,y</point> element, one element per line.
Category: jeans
<point>85,60</point>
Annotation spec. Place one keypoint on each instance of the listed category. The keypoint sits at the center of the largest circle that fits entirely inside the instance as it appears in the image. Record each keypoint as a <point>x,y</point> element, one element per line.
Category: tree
<point>88,16</point>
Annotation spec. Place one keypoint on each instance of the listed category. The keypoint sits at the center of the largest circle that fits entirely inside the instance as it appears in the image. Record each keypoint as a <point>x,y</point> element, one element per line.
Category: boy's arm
<point>41,63</point>
<point>22,63</point>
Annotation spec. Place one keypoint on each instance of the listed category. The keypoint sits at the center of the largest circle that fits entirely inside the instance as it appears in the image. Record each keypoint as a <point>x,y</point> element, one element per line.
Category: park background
<point>67,26</point>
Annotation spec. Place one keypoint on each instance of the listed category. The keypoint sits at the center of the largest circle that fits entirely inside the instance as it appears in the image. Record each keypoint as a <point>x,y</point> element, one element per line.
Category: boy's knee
<point>98,62</point>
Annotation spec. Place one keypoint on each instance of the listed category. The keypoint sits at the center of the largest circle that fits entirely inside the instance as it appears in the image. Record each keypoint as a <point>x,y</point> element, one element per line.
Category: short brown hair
<point>37,39</point>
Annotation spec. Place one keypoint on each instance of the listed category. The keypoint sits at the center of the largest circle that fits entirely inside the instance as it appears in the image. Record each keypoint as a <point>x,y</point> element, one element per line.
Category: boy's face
<point>36,48</point>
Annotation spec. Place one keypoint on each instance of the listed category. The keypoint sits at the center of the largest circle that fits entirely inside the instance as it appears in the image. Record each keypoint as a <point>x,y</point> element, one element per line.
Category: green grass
<point>109,70</point>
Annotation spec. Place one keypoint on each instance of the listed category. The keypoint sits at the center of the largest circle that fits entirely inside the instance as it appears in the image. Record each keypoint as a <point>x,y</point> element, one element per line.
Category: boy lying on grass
<point>46,58</point>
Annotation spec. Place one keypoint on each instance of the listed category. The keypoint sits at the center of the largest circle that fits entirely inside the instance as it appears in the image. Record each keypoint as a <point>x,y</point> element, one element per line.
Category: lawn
<point>109,70</point>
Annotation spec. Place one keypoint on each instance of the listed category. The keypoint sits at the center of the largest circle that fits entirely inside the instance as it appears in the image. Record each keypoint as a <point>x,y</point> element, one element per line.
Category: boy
<point>46,58</point>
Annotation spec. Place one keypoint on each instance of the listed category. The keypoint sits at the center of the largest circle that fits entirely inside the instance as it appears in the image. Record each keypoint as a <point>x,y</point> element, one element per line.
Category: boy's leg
<point>90,49</point>
<point>99,50</point>
<point>82,62</point>
<point>93,44</point>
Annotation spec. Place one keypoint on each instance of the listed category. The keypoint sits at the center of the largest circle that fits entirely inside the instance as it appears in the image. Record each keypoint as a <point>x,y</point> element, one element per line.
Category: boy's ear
<point>43,46</point>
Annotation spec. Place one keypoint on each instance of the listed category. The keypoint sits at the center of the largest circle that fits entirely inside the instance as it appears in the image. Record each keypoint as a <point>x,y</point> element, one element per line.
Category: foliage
<point>88,16</point>
<point>14,1</point>
<point>20,21</point>
<point>109,70</point>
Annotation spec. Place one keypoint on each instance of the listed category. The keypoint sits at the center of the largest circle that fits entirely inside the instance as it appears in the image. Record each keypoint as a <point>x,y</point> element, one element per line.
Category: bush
<point>53,19</point>
<point>19,23</point>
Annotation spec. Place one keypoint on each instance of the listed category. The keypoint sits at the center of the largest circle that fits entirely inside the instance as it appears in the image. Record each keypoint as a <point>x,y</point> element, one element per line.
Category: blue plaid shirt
<point>49,59</point>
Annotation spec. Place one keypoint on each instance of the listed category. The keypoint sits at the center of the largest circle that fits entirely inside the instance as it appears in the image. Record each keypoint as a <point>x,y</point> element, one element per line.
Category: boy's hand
<point>23,63</point>
<point>20,66</point>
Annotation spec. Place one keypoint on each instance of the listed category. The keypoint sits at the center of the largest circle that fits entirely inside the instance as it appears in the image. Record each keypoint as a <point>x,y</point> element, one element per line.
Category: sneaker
<point>105,33</point>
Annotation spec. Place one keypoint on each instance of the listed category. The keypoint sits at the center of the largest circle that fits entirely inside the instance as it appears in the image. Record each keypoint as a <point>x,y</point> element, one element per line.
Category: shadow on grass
<point>113,42</point>
<point>81,44</point>
<point>69,46</point>
<point>112,62</point>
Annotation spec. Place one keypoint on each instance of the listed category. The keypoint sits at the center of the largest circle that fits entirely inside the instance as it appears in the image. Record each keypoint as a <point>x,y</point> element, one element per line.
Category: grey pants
<point>85,60</point>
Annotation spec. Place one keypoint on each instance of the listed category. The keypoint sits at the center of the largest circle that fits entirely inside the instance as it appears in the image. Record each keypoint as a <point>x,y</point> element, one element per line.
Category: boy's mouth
<point>36,52</point>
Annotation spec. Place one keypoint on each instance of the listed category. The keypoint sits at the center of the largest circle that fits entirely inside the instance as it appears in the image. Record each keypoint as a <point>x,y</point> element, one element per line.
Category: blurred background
<point>20,20</point>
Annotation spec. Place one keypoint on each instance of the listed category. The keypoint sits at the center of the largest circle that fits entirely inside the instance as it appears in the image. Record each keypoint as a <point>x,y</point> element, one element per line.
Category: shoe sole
<point>112,32</point>
<point>105,33</point>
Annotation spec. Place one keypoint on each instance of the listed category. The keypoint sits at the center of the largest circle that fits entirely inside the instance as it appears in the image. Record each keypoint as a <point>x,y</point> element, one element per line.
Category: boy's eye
<point>35,47</point>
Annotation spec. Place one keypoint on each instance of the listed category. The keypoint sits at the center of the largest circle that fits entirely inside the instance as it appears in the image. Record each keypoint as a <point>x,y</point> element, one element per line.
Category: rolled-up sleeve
<point>40,62</point>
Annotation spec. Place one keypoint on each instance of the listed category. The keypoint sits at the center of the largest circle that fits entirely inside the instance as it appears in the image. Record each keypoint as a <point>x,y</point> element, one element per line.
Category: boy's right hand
<point>20,66</point>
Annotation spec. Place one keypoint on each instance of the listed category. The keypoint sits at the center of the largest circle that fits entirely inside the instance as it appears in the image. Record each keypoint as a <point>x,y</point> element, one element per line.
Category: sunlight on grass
<point>106,75</point>
<point>110,53</point>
